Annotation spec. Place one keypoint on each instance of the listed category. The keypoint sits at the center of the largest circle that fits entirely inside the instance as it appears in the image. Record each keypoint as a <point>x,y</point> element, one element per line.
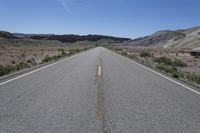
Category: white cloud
<point>64,4</point>
<point>70,5</point>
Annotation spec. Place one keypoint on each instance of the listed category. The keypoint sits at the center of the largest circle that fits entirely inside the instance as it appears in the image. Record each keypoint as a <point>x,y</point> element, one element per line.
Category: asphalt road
<point>97,91</point>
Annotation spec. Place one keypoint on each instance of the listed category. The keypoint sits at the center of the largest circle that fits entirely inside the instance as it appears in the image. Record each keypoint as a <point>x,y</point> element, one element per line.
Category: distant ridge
<point>69,38</point>
<point>62,38</point>
<point>184,38</point>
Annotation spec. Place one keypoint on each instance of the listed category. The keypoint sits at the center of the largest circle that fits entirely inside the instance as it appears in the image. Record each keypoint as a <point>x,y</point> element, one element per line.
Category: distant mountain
<point>185,38</point>
<point>74,38</point>
<point>69,38</point>
<point>62,38</point>
<point>22,35</point>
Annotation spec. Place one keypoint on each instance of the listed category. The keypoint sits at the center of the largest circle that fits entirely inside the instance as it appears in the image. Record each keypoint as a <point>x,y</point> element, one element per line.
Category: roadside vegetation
<point>63,54</point>
<point>170,66</point>
<point>55,57</point>
<point>170,62</point>
<point>145,54</point>
<point>13,67</point>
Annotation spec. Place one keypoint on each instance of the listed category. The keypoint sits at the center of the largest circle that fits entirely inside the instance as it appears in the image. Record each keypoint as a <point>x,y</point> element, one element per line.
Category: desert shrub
<point>13,62</point>
<point>85,48</point>
<point>171,70</point>
<point>7,69</point>
<point>124,53</point>
<point>53,58</point>
<point>145,54</point>
<point>132,56</point>
<point>175,74</point>
<point>169,62</point>
<point>181,74</point>
<point>193,77</point>
<point>11,68</point>
<point>71,52</point>
<point>46,59</point>
<point>22,65</point>
<point>62,52</point>
<point>164,60</point>
<point>160,66</point>
<point>77,50</point>
<point>2,70</point>
<point>32,62</point>
<point>179,63</point>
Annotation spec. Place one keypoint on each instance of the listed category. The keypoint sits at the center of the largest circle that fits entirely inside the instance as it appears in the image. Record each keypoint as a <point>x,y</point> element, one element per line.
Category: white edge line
<point>26,74</point>
<point>158,73</point>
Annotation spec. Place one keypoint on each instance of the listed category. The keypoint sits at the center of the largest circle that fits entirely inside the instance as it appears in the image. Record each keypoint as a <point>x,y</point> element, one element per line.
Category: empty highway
<point>97,91</point>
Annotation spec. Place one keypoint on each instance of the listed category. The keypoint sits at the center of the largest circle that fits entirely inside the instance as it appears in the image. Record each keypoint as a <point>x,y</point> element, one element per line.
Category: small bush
<point>32,62</point>
<point>175,75</point>
<point>22,65</point>
<point>11,68</point>
<point>193,77</point>
<point>7,69</point>
<point>132,56</point>
<point>46,59</point>
<point>179,63</point>
<point>124,53</point>
<point>164,60</point>
<point>62,52</point>
<point>71,52</point>
<point>171,70</point>
<point>145,54</point>
<point>53,58</point>
<point>169,62</point>
<point>77,50</point>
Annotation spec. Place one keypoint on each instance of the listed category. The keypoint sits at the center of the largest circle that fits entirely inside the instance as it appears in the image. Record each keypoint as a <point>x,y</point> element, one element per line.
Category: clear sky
<point>125,18</point>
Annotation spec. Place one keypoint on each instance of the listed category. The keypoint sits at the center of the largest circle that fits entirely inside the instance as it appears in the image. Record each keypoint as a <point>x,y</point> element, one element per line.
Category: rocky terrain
<point>181,39</point>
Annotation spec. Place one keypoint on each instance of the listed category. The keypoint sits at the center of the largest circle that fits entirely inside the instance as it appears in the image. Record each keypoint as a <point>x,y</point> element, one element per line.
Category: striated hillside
<point>186,38</point>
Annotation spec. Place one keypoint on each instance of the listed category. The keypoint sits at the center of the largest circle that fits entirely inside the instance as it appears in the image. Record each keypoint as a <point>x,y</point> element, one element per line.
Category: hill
<point>6,35</point>
<point>185,38</point>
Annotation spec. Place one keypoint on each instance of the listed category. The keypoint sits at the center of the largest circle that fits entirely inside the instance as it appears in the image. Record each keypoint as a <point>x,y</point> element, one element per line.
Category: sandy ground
<point>14,54</point>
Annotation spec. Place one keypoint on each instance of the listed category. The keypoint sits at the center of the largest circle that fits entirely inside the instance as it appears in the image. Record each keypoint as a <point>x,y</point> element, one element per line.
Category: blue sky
<point>125,18</point>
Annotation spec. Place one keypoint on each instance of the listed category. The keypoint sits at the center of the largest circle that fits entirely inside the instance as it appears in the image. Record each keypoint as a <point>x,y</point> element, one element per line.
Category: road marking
<point>176,82</point>
<point>39,69</point>
<point>99,70</point>
<point>99,104</point>
<point>99,91</point>
<point>99,95</point>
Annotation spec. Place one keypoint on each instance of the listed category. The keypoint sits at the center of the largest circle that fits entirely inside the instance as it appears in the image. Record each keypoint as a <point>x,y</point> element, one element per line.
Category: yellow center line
<point>99,95</point>
<point>99,70</point>
<point>99,105</point>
